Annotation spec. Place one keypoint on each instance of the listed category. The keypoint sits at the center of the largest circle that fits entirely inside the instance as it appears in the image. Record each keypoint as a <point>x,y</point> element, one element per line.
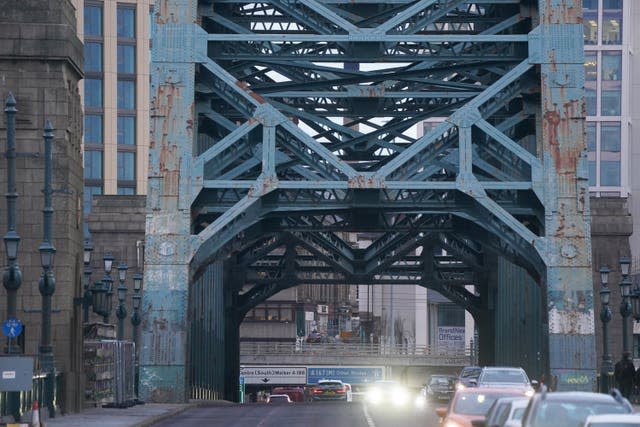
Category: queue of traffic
<point>505,397</point>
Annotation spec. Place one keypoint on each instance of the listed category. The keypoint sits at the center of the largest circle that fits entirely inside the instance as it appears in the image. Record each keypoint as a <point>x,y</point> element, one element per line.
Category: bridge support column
<point>557,46</point>
<point>169,244</point>
<point>232,346</point>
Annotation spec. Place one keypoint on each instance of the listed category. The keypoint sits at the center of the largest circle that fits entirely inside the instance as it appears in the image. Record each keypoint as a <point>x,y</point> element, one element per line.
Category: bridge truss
<point>282,127</point>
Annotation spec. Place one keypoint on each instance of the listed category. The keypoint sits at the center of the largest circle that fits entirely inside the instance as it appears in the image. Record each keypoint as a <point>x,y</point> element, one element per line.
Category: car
<point>440,387</point>
<point>612,420</point>
<point>349,392</point>
<point>389,393</point>
<point>328,389</point>
<point>506,376</point>
<point>506,411</point>
<point>314,337</point>
<point>278,398</point>
<point>571,408</point>
<point>296,394</point>
<point>468,377</point>
<point>472,404</point>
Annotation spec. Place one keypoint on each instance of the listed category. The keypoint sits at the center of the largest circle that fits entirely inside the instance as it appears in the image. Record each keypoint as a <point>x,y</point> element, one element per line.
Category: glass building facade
<point>606,59</point>
<point>115,95</point>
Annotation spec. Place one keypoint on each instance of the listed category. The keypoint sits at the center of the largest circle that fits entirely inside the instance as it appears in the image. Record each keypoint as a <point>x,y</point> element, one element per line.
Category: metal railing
<point>363,350</point>
<point>37,393</point>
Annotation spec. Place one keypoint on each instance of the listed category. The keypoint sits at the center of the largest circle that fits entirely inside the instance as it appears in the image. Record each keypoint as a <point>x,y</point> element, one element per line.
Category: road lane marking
<point>367,416</point>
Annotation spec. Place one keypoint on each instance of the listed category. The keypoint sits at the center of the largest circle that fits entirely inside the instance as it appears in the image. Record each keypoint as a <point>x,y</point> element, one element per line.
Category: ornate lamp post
<point>121,311</point>
<point>135,322</point>
<point>107,284</point>
<point>625,304</point>
<point>606,367</point>
<point>12,277</point>
<point>47,284</point>
<point>87,297</point>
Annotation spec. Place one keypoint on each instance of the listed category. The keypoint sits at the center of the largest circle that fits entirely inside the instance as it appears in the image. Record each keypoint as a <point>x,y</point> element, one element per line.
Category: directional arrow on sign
<point>265,380</point>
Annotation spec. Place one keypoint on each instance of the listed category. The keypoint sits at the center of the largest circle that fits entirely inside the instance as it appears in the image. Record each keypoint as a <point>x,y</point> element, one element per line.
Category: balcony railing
<point>358,350</point>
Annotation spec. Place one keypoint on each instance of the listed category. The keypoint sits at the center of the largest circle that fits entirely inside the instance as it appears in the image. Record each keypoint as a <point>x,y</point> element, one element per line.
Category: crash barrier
<point>38,393</point>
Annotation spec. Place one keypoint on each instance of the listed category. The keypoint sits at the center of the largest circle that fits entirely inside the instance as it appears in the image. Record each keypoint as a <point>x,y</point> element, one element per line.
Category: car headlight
<point>449,423</point>
<point>420,402</point>
<point>460,386</point>
<point>529,393</point>
<point>375,395</point>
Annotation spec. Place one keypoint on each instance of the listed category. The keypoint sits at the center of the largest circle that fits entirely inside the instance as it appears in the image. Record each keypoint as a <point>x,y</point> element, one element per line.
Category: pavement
<point>144,415</point>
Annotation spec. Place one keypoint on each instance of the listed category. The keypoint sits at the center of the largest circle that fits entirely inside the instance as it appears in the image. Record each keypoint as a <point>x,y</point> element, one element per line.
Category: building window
<point>126,130</point>
<point>93,129</point>
<point>89,192</point>
<point>590,20</point>
<point>93,57</point>
<point>612,21</point>
<point>126,59</point>
<point>126,95</point>
<point>591,82</point>
<point>126,166</point>
<point>610,143</point>
<point>126,22</point>
<point>126,191</point>
<point>450,315</point>
<point>92,164</point>
<point>92,20</point>
<point>93,93</point>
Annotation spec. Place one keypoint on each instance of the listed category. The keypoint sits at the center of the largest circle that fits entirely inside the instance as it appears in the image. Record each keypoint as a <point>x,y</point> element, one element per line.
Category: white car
<point>613,420</point>
<point>349,392</point>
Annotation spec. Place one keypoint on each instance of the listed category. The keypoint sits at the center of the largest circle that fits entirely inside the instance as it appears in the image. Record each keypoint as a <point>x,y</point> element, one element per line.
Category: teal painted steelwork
<point>259,168</point>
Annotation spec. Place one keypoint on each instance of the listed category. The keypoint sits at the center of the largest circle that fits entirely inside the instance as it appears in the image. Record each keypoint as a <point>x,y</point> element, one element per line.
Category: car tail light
<point>316,391</point>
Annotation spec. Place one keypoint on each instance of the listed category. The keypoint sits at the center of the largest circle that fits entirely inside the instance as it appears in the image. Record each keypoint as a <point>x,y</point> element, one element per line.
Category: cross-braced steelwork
<point>435,126</point>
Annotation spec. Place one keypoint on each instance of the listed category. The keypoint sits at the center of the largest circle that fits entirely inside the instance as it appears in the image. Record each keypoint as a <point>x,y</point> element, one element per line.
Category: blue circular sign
<point>12,327</point>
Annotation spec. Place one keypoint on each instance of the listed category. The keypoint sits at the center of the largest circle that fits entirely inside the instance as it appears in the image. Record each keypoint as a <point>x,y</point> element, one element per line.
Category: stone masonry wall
<point>41,64</point>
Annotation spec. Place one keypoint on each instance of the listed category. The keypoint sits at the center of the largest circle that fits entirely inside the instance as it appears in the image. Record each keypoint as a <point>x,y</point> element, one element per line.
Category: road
<point>316,414</point>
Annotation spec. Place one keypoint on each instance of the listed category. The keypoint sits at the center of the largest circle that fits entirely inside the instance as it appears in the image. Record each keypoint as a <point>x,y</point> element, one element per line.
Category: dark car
<point>468,377</point>
<point>571,408</point>
<point>314,337</point>
<point>330,390</point>
<point>440,387</point>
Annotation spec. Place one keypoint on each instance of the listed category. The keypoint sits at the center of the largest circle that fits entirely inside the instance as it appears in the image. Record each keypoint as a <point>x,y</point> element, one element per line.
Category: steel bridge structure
<point>279,128</point>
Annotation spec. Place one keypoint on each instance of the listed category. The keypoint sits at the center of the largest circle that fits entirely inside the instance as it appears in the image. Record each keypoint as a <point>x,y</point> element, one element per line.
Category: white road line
<point>367,416</point>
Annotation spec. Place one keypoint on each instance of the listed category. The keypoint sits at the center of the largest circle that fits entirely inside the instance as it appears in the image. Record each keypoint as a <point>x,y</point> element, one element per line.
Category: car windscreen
<point>443,381</point>
<point>572,414</point>
<point>503,376</point>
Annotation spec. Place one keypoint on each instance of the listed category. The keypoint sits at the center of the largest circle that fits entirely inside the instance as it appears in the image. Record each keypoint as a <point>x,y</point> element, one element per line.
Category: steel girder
<point>290,122</point>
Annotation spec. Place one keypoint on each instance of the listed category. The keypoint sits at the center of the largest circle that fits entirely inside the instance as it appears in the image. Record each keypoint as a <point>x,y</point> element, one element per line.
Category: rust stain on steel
<point>165,14</point>
<point>245,86</point>
<point>561,12</point>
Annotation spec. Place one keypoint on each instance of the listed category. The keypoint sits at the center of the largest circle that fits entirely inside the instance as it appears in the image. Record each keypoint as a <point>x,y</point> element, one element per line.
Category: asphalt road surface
<point>315,414</point>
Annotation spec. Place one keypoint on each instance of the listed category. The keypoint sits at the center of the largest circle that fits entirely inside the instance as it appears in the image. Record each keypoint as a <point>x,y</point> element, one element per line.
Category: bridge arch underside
<point>428,127</point>
<point>454,253</point>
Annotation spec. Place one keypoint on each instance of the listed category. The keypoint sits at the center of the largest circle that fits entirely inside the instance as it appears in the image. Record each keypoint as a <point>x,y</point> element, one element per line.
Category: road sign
<point>278,375</point>
<point>12,328</point>
<point>347,374</point>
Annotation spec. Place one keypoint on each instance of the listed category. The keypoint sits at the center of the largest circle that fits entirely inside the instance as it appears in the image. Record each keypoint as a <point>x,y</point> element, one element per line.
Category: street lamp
<point>47,284</point>
<point>86,260</point>
<point>625,304</point>
<point>121,311</point>
<point>12,277</point>
<point>107,285</point>
<point>135,321</point>
<point>605,315</point>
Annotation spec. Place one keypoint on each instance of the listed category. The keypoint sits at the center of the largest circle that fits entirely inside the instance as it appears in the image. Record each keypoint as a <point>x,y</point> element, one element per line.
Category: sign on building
<point>277,375</point>
<point>450,339</point>
<point>347,374</point>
